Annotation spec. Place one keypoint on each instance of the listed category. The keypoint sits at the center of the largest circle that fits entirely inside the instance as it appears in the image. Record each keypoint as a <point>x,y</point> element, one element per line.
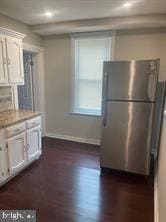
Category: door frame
<point>38,69</point>
<point>31,79</point>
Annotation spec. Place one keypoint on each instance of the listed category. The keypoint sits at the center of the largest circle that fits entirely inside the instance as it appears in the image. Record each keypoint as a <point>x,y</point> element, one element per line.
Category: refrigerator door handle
<point>105,90</point>
<point>104,112</point>
<point>105,86</point>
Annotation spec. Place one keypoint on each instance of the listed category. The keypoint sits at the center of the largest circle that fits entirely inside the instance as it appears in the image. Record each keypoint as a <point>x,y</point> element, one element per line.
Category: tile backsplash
<point>5,98</point>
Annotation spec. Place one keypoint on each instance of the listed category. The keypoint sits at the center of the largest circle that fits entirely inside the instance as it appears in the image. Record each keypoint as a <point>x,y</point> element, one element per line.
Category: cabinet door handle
<point>28,146</point>
<point>17,130</point>
<point>4,61</point>
<point>105,86</point>
<point>25,148</point>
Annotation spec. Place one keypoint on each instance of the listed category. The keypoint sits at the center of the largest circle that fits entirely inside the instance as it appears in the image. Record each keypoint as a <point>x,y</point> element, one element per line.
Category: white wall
<point>17,26</point>
<point>142,45</point>
<point>128,45</point>
<point>58,93</point>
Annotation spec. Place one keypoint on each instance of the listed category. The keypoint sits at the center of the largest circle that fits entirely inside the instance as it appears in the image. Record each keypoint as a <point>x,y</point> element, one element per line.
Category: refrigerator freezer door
<point>126,135</point>
<point>130,80</point>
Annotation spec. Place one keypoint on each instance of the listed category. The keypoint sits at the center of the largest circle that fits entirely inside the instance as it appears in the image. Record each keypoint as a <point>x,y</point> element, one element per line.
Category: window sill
<point>86,114</point>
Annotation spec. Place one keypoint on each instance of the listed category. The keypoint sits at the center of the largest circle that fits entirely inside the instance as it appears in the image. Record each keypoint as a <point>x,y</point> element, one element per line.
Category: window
<point>89,54</point>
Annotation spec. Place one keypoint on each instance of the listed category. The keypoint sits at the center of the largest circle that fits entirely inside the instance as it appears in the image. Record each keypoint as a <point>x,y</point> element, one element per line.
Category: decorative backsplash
<point>6,98</point>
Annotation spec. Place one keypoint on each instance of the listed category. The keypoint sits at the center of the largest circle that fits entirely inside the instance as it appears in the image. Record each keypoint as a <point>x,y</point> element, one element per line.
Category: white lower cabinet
<point>16,152</point>
<point>2,157</point>
<point>20,144</point>
<point>33,142</point>
<point>1,164</point>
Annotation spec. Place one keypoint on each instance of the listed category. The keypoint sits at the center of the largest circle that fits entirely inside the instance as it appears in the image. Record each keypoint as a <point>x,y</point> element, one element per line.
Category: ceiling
<point>33,11</point>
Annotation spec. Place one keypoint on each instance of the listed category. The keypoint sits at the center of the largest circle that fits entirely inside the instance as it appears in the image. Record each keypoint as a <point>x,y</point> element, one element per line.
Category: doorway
<point>26,91</point>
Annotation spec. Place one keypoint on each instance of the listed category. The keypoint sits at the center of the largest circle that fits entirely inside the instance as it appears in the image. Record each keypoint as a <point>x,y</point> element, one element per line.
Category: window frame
<point>86,35</point>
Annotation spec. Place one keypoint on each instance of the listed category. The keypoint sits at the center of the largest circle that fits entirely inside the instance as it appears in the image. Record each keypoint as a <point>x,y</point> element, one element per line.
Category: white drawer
<point>15,129</point>
<point>33,122</point>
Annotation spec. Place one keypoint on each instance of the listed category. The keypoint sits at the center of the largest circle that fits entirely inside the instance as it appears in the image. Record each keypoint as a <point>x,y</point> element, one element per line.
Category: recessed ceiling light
<point>48,14</point>
<point>127,5</point>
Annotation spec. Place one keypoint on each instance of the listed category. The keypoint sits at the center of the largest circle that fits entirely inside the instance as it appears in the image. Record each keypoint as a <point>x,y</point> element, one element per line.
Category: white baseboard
<point>156,207</point>
<point>76,139</point>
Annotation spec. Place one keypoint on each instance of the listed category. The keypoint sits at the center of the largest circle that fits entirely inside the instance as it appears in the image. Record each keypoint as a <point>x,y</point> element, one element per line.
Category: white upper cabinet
<point>15,60</point>
<point>11,58</point>
<point>3,62</point>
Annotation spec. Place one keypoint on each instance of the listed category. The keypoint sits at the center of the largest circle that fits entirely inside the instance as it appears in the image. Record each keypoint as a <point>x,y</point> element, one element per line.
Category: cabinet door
<point>33,142</point>
<point>3,62</point>
<point>16,152</point>
<point>15,61</point>
<point>1,165</point>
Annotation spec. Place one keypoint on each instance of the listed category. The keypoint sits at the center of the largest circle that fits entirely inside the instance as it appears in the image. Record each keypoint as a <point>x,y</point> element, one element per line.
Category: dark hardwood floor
<point>66,185</point>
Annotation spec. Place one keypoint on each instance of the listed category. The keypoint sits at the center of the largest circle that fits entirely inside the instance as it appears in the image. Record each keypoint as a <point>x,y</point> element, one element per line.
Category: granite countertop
<point>11,117</point>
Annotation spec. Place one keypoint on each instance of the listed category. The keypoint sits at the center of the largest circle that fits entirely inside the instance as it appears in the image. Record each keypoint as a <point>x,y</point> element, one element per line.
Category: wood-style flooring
<point>66,185</point>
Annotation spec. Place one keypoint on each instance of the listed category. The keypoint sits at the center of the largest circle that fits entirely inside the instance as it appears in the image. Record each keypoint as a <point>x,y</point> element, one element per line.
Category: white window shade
<point>89,56</point>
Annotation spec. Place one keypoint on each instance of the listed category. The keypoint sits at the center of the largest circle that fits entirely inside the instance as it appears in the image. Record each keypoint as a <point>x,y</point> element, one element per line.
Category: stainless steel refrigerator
<point>129,89</point>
